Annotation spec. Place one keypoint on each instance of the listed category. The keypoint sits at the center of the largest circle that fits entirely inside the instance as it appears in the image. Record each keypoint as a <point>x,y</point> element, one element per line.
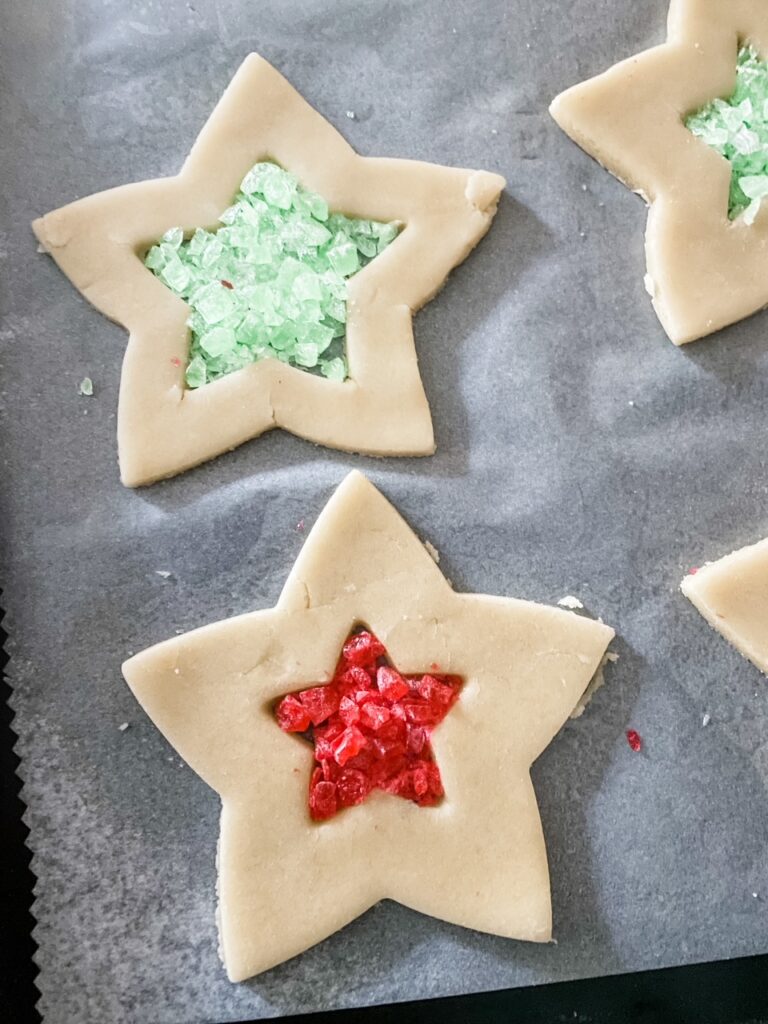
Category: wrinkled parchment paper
<point>579,453</point>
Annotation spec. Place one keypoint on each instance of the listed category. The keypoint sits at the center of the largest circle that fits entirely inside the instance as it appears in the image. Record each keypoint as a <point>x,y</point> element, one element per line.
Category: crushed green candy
<point>272,281</point>
<point>85,387</point>
<point>738,129</point>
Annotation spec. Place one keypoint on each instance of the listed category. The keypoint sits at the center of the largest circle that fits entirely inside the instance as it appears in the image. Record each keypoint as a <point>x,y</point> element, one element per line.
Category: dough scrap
<point>732,595</point>
<point>211,693</point>
<point>704,271</point>
<point>99,241</point>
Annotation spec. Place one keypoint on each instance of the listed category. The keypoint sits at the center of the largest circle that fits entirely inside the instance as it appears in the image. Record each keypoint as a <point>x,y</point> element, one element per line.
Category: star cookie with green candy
<point>685,125</point>
<point>270,283</point>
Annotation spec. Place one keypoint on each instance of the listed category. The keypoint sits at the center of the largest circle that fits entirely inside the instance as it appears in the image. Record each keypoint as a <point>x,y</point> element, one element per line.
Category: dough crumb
<point>162,572</point>
<point>569,601</point>
<point>124,726</point>
<point>706,720</point>
<point>435,554</point>
<point>351,115</point>
<point>598,680</point>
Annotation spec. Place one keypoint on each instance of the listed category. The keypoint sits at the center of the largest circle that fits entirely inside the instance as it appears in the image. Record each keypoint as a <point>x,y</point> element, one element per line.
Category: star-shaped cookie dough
<point>477,858</point>
<point>732,595</point>
<point>99,242</point>
<point>704,270</point>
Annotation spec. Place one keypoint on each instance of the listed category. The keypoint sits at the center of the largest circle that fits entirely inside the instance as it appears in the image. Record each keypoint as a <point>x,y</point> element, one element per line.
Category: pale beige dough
<point>732,595</point>
<point>478,859</point>
<point>99,241</point>
<point>704,271</point>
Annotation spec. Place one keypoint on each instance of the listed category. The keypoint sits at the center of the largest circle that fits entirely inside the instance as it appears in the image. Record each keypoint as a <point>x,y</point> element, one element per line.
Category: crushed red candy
<point>370,727</point>
<point>320,702</point>
<point>391,684</point>
<point>322,797</point>
<point>634,740</point>
<point>292,716</point>
<point>362,649</point>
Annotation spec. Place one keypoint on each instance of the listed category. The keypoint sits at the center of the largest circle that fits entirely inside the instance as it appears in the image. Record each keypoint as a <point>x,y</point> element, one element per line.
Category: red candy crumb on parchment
<point>370,727</point>
<point>634,740</point>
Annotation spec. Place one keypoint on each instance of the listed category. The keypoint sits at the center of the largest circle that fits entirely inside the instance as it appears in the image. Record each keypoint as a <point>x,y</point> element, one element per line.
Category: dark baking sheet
<point>579,452</point>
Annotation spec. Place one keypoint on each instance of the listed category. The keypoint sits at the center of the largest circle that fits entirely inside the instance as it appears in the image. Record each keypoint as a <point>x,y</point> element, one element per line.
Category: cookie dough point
<point>732,595</point>
<point>737,128</point>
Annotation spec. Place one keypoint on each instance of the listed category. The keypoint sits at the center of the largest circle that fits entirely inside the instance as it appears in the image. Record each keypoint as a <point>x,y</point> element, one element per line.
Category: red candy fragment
<point>634,740</point>
<point>347,744</point>
<point>370,727</point>
<point>292,715</point>
<point>322,797</point>
<point>228,284</point>
<point>320,702</point>
<point>353,787</point>
<point>374,715</point>
<point>362,649</point>
<point>390,683</point>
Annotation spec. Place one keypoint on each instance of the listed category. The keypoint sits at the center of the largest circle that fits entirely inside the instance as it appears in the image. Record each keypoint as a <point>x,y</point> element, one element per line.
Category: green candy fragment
<point>271,282</point>
<point>195,374</point>
<point>738,129</point>
<point>85,387</point>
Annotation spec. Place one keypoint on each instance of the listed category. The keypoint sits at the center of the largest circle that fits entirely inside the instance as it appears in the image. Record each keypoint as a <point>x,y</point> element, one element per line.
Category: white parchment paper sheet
<point>579,452</point>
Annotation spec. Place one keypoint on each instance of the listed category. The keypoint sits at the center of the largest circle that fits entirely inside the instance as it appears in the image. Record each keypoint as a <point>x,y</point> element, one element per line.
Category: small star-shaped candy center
<point>738,129</point>
<point>272,281</point>
<point>370,727</point>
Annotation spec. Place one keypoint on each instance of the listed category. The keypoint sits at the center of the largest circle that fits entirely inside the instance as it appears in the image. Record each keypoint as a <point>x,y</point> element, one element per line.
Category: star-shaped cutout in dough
<point>212,693</point>
<point>732,595</point>
<point>99,243</point>
<point>370,728</point>
<point>704,271</point>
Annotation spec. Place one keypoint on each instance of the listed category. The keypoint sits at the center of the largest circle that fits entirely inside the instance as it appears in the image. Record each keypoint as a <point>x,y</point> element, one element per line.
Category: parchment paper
<point>579,453</point>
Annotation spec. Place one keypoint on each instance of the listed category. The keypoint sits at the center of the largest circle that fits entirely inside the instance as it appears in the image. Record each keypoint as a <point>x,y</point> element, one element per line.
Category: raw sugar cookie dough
<point>684,125</point>
<point>321,345</point>
<point>732,595</point>
<point>372,717</point>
